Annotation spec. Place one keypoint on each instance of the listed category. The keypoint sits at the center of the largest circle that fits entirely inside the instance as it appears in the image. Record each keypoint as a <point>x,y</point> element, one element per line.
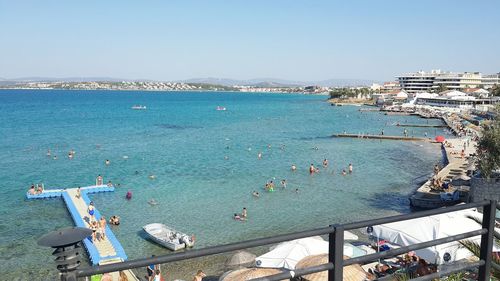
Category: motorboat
<point>168,237</point>
<point>139,107</point>
<point>220,108</point>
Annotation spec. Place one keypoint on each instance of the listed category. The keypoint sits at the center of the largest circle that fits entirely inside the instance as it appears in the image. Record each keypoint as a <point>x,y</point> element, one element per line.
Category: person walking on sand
<point>199,275</point>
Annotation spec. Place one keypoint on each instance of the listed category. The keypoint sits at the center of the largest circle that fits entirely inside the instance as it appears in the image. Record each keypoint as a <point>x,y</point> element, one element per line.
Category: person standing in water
<point>312,169</point>
<point>350,168</point>
<point>259,155</point>
<point>294,168</point>
<point>325,163</point>
<point>244,213</point>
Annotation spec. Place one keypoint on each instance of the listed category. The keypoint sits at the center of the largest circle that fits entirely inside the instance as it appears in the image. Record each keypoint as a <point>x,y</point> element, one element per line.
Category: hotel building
<point>429,81</point>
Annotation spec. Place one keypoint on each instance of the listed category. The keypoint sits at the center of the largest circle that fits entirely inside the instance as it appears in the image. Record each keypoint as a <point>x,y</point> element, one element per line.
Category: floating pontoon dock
<point>103,251</point>
<point>422,125</point>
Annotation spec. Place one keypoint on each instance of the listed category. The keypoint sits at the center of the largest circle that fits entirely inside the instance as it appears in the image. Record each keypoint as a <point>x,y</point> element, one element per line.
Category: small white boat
<point>220,108</point>
<point>139,107</point>
<point>168,237</point>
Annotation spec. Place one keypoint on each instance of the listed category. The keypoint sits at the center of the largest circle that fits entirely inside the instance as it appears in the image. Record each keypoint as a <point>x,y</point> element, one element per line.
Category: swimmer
<point>296,190</point>
<point>312,169</point>
<point>226,157</point>
<point>344,172</point>
<point>152,202</point>
<point>236,217</point>
<point>55,157</point>
<point>48,152</point>
<point>107,162</point>
<point>283,183</point>
<point>152,177</point>
<point>256,194</point>
<point>282,147</point>
<point>70,156</point>
<point>325,163</point>
<point>350,168</point>
<point>269,146</point>
<point>136,172</point>
<point>259,155</point>
<point>294,168</point>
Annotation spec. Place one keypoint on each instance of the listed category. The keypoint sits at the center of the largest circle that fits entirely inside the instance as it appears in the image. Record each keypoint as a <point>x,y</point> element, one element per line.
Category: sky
<point>302,40</point>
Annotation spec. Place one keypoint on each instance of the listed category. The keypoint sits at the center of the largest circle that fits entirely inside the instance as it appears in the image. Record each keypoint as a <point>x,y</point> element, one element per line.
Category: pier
<point>102,251</point>
<point>422,125</point>
<point>379,137</point>
<point>427,197</point>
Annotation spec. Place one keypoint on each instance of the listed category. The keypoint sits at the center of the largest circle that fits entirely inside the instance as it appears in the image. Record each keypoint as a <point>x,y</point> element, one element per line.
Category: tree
<point>441,88</point>
<point>495,91</point>
<point>488,150</point>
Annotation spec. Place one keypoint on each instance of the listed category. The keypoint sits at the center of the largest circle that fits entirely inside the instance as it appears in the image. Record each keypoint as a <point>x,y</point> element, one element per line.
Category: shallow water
<point>205,162</point>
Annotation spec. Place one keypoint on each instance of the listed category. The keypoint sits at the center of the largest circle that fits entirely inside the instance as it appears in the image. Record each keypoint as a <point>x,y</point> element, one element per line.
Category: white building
<point>428,81</point>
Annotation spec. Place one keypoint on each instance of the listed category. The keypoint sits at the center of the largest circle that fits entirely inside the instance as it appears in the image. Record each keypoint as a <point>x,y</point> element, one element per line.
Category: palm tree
<point>475,248</point>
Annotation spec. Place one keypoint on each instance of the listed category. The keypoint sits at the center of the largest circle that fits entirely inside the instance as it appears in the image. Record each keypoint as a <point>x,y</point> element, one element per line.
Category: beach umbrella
<point>287,254</point>
<point>241,258</point>
<point>352,272</point>
<point>439,139</point>
<point>430,228</point>
<point>244,274</point>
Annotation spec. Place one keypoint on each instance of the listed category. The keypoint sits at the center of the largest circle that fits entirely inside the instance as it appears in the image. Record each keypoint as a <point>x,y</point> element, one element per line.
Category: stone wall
<point>488,189</point>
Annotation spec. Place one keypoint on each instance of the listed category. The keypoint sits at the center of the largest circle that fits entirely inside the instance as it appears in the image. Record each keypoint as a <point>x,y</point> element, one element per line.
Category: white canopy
<point>414,231</point>
<point>288,254</point>
<point>453,93</point>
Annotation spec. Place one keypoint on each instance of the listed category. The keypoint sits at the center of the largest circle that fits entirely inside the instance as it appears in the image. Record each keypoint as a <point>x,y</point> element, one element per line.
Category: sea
<point>200,164</point>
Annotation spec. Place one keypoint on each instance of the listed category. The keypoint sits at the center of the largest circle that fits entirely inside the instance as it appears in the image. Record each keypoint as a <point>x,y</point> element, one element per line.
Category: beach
<point>201,166</point>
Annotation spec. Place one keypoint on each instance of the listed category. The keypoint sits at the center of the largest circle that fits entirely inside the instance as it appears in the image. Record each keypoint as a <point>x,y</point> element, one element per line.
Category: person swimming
<point>255,193</point>
<point>283,183</point>
<point>152,202</point>
<point>344,172</point>
<point>325,163</point>
<point>107,162</point>
<point>259,155</point>
<point>294,168</point>
<point>312,169</point>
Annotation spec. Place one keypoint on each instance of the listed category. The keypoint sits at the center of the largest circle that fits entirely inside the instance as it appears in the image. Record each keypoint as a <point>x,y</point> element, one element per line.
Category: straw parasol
<point>248,274</point>
<point>241,258</point>
<point>351,272</point>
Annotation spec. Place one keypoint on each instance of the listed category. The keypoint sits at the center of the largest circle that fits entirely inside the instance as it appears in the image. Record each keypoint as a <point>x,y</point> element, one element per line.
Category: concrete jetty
<point>428,198</point>
<point>103,251</point>
<point>422,125</point>
<point>379,137</point>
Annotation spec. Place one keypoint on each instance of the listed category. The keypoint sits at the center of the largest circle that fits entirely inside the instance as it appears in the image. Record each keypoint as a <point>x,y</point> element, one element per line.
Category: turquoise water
<point>205,162</point>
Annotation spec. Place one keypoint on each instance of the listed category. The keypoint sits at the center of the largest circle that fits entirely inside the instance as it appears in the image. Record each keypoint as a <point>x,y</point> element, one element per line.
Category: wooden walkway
<point>379,137</point>
<point>102,251</point>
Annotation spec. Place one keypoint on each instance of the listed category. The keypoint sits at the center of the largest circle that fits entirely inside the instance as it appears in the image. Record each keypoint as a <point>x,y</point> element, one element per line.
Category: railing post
<point>489,212</point>
<point>336,253</point>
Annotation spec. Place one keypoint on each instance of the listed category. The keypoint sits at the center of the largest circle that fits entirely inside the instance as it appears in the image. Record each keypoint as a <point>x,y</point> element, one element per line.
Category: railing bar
<point>416,215</point>
<point>201,252</point>
<point>449,271</point>
<point>296,273</point>
<point>406,249</point>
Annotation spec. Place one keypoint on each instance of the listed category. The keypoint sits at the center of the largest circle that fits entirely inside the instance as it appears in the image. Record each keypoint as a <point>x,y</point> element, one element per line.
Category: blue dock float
<point>106,250</point>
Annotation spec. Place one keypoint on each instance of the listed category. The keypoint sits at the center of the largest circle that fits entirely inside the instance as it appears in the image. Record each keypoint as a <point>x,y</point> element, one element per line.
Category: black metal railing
<point>336,241</point>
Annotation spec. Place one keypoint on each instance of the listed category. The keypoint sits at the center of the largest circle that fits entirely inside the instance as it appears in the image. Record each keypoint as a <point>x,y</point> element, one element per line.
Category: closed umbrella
<point>241,258</point>
<point>440,139</point>
<point>248,274</point>
<point>352,272</point>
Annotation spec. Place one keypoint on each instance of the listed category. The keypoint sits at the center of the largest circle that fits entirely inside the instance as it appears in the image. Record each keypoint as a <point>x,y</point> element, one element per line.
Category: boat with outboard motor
<point>168,237</point>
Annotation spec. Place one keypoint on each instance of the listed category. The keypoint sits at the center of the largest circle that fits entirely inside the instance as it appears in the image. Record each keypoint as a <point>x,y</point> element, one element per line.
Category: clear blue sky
<point>297,40</point>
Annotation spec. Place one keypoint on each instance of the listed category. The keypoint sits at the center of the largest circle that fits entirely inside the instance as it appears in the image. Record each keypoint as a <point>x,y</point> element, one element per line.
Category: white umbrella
<point>287,254</point>
<point>431,228</point>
